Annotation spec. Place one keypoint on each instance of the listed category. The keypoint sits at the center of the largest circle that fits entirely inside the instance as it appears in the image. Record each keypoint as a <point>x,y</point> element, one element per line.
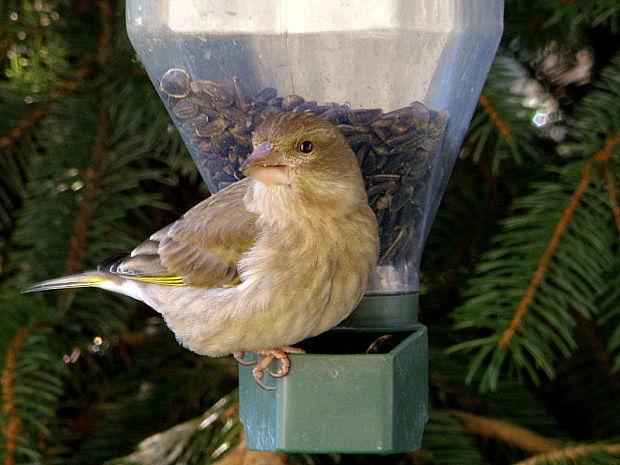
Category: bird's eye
<point>306,146</point>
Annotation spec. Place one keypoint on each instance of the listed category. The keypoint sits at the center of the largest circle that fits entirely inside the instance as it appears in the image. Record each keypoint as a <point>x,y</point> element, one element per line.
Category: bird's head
<point>301,150</point>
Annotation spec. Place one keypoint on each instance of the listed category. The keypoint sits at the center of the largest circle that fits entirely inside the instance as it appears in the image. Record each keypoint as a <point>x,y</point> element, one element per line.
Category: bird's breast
<point>300,279</point>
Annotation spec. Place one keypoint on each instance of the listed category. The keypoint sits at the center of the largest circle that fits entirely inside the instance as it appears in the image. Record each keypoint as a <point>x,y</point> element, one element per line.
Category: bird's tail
<point>86,279</point>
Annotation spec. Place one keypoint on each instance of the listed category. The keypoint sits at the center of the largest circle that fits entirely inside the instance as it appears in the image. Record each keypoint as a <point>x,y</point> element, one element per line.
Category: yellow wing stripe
<point>175,281</point>
<point>164,280</point>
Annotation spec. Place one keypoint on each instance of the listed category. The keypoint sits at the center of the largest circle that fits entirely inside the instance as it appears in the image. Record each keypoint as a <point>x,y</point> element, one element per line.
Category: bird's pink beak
<point>267,165</point>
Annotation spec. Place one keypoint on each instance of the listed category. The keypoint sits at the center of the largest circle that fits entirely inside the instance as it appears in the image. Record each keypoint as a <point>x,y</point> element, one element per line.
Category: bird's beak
<point>267,164</point>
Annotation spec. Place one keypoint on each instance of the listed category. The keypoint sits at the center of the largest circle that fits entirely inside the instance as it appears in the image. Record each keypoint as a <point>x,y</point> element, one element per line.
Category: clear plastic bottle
<point>399,77</point>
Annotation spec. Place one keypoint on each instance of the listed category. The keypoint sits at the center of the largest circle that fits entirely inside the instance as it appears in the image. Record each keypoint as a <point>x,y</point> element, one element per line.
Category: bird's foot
<point>239,358</point>
<point>268,356</point>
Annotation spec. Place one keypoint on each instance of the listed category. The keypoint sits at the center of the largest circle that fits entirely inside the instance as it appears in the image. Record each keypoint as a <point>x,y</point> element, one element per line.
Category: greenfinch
<point>280,256</point>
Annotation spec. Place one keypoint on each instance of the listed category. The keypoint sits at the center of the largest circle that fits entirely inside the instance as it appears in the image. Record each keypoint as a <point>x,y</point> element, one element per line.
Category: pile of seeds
<point>395,149</point>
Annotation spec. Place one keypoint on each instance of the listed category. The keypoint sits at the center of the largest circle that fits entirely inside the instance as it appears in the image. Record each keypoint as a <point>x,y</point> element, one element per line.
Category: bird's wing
<point>202,248</point>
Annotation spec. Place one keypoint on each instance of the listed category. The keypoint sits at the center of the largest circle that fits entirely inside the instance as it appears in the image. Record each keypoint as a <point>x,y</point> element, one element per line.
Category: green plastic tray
<point>345,403</point>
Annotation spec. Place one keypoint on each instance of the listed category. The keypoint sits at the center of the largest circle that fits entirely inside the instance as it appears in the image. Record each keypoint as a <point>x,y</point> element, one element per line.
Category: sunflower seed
<point>184,109</point>
<point>291,101</point>
<point>175,83</point>
<point>395,150</point>
<point>212,128</point>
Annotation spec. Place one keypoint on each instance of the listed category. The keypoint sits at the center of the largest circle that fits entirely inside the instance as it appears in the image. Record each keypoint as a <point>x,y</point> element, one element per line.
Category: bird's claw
<point>285,365</point>
<point>239,358</point>
<point>258,377</point>
<point>258,372</point>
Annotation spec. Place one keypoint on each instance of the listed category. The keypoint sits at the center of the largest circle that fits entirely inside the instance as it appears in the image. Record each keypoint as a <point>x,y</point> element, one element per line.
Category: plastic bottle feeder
<point>400,79</point>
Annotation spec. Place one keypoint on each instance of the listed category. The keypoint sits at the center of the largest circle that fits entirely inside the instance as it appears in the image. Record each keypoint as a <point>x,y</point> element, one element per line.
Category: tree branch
<point>81,225</point>
<point>560,228</point>
<point>603,156</point>
<point>571,453</point>
<point>613,196</point>
<point>507,433</point>
<point>504,129</point>
<point>598,350</point>
<point>82,222</point>
<point>65,89</point>
<point>13,422</point>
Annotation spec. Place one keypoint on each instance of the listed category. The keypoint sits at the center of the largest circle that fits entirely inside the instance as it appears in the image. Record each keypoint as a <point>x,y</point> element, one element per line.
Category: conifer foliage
<point>521,274</point>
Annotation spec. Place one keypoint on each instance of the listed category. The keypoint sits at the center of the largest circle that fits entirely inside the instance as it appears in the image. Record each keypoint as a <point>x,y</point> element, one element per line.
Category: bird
<point>284,254</point>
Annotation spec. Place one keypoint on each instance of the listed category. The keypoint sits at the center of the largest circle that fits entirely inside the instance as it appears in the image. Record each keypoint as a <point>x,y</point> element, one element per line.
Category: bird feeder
<point>400,79</point>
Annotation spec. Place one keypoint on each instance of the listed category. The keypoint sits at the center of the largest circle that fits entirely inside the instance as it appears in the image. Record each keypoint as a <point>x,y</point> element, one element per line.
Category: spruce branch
<point>614,345</point>
<point>501,115</point>
<point>241,455</point>
<point>82,222</point>
<point>545,450</point>
<point>610,183</point>
<point>475,198</point>
<point>451,388</point>
<point>566,276</point>
<point>9,43</point>
<point>570,271</point>
<point>450,392</point>
<point>501,124</point>
<point>31,378</point>
<point>572,454</point>
<point>537,23</point>
<point>81,166</point>
<point>65,88</point>
<point>597,117</point>
<point>24,125</point>
<point>575,287</point>
<point>446,442</point>
<point>199,441</point>
<point>516,436</point>
<point>601,355</point>
<point>12,421</point>
<point>76,78</point>
<point>580,13</point>
<point>107,11</point>
<point>609,319</point>
<point>547,256</point>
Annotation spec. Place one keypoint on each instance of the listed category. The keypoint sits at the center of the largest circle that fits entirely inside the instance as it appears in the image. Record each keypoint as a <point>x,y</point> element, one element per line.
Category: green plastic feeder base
<point>342,403</point>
